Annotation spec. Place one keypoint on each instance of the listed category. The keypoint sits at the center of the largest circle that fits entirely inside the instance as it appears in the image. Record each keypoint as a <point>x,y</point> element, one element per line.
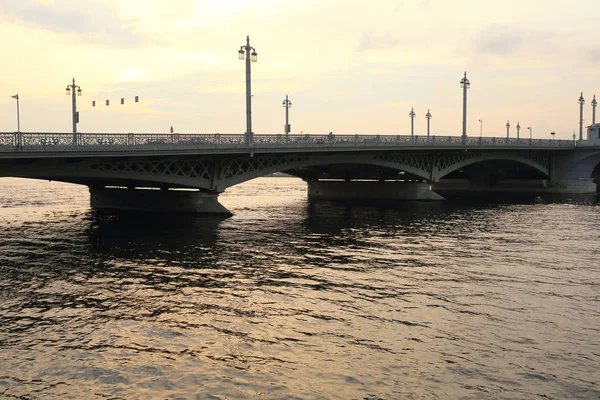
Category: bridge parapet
<point>54,142</point>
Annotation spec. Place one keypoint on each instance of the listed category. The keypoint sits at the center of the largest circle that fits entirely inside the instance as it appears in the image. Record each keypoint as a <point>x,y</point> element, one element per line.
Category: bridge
<point>187,172</point>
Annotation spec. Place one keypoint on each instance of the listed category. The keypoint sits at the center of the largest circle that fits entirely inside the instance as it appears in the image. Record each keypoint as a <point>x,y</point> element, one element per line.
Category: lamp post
<point>581,103</point>
<point>480,128</point>
<point>428,116</point>
<point>518,130</point>
<point>530,132</point>
<point>507,129</point>
<point>244,52</point>
<point>412,114</point>
<point>553,133</point>
<point>16,96</point>
<point>74,91</point>
<point>287,104</point>
<point>464,84</point>
<point>594,104</point>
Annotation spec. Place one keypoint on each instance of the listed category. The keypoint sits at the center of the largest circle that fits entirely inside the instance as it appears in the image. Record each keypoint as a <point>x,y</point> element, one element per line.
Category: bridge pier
<point>573,186</point>
<point>148,200</point>
<point>371,190</point>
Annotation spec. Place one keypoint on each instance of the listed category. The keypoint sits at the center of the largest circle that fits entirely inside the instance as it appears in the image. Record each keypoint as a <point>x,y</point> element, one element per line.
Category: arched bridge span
<point>218,172</point>
<point>212,163</point>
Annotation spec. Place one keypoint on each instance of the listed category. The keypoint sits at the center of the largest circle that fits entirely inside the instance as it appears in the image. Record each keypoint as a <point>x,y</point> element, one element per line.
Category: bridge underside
<point>488,176</point>
<point>151,183</point>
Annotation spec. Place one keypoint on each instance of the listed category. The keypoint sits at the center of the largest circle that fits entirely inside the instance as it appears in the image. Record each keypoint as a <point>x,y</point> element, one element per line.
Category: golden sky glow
<point>348,66</point>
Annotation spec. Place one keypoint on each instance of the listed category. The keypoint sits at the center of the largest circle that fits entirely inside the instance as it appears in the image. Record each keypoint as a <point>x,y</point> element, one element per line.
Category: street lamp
<point>530,132</point>
<point>480,128</point>
<point>518,130</point>
<point>74,91</point>
<point>412,114</point>
<point>428,116</point>
<point>594,104</point>
<point>464,84</point>
<point>244,52</point>
<point>507,129</point>
<point>287,104</point>
<point>16,96</point>
<point>581,102</point>
<point>553,133</point>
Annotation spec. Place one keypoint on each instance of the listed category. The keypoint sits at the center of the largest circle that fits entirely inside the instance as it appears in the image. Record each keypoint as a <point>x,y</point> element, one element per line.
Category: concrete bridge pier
<point>151,200</point>
<point>371,190</point>
<point>572,186</point>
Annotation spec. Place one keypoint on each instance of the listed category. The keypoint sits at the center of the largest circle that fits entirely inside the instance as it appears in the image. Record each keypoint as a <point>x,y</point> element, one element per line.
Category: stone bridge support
<point>150,200</point>
<point>371,190</point>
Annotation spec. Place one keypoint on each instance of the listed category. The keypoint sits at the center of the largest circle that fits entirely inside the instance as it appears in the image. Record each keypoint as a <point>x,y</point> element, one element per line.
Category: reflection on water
<point>297,299</point>
<point>126,235</point>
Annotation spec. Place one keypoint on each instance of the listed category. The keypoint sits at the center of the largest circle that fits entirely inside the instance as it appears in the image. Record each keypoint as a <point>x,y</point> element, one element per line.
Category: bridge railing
<point>126,141</point>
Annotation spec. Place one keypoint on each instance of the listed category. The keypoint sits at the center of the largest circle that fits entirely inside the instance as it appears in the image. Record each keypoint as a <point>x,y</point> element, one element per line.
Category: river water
<point>291,299</point>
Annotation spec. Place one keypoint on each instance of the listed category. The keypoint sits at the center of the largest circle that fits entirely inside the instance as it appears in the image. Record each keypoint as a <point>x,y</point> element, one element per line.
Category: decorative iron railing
<point>12,142</point>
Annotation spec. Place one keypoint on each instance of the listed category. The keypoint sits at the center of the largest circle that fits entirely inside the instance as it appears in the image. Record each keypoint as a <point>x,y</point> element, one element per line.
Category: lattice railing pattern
<point>9,140</point>
<point>419,161</point>
<point>199,169</point>
<point>239,166</point>
<point>447,160</point>
<point>114,142</point>
<point>540,159</point>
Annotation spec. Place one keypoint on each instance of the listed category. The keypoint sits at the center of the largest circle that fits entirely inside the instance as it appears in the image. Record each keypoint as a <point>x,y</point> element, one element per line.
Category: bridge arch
<point>595,172</point>
<point>240,169</point>
<point>217,172</point>
<point>450,163</point>
<point>584,168</point>
<point>161,172</point>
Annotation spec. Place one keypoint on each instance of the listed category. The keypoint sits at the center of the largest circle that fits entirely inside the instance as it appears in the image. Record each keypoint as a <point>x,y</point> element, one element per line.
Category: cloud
<point>592,55</point>
<point>370,41</point>
<point>499,40</point>
<point>90,21</point>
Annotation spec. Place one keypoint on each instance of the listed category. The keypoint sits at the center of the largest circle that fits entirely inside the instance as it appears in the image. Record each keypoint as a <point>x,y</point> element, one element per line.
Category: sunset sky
<point>348,66</point>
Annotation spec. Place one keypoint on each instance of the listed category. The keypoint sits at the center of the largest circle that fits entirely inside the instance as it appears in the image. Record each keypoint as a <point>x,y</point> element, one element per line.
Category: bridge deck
<point>15,144</point>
